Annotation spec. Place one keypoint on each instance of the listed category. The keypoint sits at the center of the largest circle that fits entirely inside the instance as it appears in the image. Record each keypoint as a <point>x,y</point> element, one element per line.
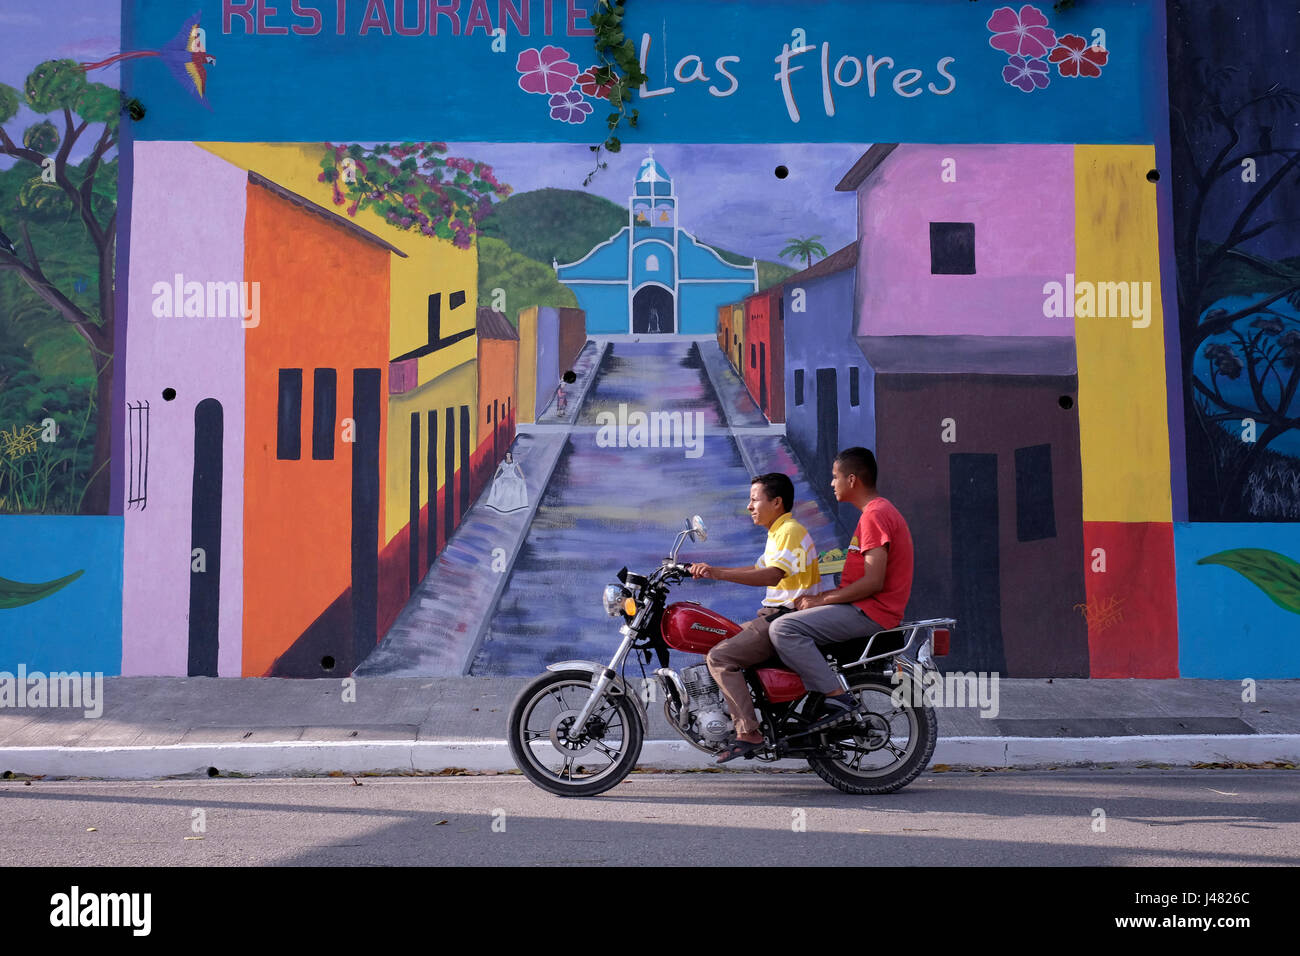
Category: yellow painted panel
<point>448,391</point>
<point>1123,428</point>
<point>527,373</point>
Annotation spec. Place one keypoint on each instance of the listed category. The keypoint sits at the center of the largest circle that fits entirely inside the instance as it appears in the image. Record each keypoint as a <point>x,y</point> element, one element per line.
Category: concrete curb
<point>357,756</point>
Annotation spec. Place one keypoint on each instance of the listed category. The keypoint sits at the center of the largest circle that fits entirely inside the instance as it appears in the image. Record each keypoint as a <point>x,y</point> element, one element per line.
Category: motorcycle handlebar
<point>682,569</point>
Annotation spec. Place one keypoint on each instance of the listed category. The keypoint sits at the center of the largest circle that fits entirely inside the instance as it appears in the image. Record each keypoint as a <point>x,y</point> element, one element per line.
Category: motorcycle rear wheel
<point>876,743</point>
<point>541,737</point>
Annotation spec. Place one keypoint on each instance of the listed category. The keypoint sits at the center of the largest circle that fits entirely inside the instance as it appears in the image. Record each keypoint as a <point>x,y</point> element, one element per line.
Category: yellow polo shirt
<point>790,547</point>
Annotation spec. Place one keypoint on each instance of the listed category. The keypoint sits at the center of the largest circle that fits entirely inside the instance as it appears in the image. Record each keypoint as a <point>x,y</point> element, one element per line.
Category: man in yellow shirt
<point>788,570</point>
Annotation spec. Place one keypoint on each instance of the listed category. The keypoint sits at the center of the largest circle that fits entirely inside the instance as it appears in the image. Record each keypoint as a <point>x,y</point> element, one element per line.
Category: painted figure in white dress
<point>509,492</point>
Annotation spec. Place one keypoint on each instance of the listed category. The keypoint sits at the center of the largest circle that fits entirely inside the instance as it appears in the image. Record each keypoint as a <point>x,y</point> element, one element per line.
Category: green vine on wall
<point>619,68</point>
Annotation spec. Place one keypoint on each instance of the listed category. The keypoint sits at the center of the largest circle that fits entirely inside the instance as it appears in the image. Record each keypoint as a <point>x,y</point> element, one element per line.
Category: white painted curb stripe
<point>356,756</point>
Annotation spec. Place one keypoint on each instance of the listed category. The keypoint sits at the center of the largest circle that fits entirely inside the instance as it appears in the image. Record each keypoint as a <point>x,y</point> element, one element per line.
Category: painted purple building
<point>829,384</point>
<point>202,359</point>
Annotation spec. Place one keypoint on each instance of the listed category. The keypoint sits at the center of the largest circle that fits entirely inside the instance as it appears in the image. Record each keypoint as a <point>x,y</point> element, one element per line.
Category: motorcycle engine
<point>710,721</point>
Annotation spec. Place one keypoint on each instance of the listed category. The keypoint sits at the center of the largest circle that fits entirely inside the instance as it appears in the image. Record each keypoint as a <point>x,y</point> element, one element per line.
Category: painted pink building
<point>202,199</point>
<point>975,391</point>
<point>966,257</point>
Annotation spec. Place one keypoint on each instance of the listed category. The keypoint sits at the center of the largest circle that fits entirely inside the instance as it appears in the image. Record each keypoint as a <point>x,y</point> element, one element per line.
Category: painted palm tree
<point>803,249</point>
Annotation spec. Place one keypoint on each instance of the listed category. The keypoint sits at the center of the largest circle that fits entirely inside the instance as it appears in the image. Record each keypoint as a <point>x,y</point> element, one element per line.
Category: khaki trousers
<point>750,646</point>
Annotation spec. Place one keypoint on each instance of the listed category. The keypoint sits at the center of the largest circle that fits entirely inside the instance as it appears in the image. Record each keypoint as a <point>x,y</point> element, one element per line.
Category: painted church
<point>653,277</point>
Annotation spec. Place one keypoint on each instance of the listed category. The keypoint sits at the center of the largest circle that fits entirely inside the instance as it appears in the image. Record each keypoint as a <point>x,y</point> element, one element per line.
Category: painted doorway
<point>652,311</point>
<point>976,578</point>
<point>205,539</point>
<point>828,426</point>
<point>365,513</point>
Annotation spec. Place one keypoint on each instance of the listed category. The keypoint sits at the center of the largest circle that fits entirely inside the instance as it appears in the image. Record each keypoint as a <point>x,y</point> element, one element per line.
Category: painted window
<point>798,386</point>
<point>323,398</point>
<point>651,263</point>
<point>436,339</point>
<point>853,386</point>
<point>288,416</point>
<point>1035,510</point>
<point>952,248</point>
<point>753,356</point>
<point>137,439</point>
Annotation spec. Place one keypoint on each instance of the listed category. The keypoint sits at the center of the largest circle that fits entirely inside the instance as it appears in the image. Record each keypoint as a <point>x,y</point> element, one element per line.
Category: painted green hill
<point>546,224</point>
<point>522,281</point>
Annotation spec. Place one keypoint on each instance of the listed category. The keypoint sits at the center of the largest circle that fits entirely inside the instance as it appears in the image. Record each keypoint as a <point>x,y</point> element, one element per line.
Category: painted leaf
<point>18,593</point>
<point>1274,574</point>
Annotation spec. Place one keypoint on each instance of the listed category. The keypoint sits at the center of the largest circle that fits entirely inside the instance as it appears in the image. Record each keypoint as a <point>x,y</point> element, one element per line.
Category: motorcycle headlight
<point>615,598</point>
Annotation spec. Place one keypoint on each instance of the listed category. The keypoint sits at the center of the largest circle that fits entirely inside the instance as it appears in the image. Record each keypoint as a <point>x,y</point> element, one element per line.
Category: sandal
<point>740,748</point>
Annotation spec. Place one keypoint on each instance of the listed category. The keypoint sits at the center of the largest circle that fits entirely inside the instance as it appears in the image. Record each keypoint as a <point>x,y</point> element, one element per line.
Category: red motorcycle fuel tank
<point>693,628</point>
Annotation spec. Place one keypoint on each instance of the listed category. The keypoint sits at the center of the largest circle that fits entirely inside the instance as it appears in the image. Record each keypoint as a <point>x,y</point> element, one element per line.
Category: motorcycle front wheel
<point>885,750</point>
<point>552,754</point>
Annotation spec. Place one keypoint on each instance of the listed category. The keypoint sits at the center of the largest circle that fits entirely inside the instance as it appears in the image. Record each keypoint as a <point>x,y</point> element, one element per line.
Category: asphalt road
<point>957,818</point>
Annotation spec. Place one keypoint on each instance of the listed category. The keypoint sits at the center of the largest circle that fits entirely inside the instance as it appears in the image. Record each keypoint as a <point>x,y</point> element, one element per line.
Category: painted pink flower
<point>587,82</point>
<point>570,107</point>
<point>1025,34</point>
<point>546,71</point>
<point>1075,58</point>
<point>1025,75</point>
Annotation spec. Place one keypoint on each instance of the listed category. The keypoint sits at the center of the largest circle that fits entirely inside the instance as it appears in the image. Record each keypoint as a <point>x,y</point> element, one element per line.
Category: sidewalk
<point>159,726</point>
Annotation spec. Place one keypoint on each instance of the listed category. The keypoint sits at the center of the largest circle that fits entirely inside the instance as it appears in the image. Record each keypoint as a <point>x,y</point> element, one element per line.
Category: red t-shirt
<point>881,524</point>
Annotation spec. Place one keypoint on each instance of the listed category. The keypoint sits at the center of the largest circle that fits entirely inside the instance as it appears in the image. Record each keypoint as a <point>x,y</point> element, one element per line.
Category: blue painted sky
<point>728,195</point>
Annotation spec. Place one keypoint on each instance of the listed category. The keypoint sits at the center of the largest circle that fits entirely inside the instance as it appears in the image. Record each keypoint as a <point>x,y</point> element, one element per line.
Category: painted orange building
<point>498,393</point>
<point>315,393</point>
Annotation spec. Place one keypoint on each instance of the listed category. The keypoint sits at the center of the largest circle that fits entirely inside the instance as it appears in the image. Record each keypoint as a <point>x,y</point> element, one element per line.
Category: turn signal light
<point>629,607</point>
<point>941,639</point>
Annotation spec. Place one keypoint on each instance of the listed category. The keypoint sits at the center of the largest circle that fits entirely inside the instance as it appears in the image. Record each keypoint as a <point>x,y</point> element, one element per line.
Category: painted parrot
<point>185,55</point>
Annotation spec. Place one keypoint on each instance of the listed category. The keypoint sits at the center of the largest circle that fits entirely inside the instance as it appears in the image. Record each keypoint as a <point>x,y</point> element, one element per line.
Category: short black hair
<point>776,485</point>
<point>859,461</point>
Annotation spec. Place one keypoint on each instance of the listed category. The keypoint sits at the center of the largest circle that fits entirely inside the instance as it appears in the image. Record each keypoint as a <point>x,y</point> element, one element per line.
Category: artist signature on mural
<point>18,443</point>
<point>1102,614</point>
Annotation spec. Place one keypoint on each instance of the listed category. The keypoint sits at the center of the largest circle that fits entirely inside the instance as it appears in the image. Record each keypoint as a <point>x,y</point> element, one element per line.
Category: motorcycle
<point>578,729</point>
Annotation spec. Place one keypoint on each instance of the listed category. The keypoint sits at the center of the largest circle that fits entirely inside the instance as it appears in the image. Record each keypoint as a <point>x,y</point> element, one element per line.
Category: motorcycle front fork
<point>607,677</point>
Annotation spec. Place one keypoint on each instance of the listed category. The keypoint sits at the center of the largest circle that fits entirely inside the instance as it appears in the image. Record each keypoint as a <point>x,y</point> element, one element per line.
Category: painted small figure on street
<point>509,490</point>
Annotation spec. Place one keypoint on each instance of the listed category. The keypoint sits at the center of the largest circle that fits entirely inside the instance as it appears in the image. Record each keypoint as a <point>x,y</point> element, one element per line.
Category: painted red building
<point>764,351</point>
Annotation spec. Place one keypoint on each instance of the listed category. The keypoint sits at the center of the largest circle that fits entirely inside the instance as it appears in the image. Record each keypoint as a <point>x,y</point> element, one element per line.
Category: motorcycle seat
<point>846,652</point>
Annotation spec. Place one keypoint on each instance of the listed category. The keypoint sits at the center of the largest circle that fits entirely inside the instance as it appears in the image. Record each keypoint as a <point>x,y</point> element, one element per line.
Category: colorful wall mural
<point>389,381</point>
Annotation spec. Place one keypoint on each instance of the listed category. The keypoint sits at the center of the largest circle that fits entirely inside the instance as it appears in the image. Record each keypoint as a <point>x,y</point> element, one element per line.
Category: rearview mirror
<point>698,529</point>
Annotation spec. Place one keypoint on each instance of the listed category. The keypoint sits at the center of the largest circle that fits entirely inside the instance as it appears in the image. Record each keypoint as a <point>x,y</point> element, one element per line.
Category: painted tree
<point>59,88</point>
<point>414,186</point>
<point>1224,149</point>
<point>803,249</point>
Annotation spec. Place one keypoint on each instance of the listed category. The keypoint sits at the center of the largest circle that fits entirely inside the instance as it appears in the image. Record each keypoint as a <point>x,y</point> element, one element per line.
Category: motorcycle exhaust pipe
<point>673,685</point>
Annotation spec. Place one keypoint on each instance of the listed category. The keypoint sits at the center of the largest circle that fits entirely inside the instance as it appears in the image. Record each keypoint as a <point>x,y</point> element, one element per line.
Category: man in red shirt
<point>873,592</point>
